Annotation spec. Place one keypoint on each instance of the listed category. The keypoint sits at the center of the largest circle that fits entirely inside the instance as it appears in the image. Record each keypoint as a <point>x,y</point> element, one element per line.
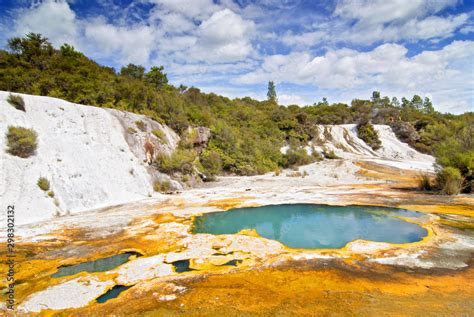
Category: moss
<point>141,125</point>
<point>43,183</point>
<point>16,101</point>
<point>21,142</point>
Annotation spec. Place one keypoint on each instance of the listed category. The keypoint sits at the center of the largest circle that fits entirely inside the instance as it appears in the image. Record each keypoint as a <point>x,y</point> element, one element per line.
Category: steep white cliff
<point>92,156</point>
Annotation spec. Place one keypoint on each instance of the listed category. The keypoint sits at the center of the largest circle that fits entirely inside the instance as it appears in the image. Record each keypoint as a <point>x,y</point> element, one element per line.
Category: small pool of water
<point>182,266</point>
<point>100,265</point>
<point>112,293</point>
<point>315,226</point>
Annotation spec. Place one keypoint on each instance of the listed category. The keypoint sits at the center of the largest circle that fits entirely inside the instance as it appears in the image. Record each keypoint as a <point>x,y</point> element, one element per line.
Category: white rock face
<point>343,140</point>
<point>87,153</point>
<point>71,294</point>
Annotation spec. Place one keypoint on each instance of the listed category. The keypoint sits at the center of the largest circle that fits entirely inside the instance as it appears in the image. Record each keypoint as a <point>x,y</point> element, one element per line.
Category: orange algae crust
<point>299,292</point>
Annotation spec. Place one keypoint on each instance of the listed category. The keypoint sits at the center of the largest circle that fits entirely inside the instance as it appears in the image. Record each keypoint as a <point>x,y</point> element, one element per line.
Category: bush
<point>297,157</point>
<point>162,186</point>
<point>16,101</point>
<point>181,160</point>
<point>51,194</point>
<point>424,182</point>
<point>449,181</point>
<point>21,141</point>
<point>329,154</point>
<point>212,162</point>
<point>131,130</point>
<point>366,132</point>
<point>43,183</point>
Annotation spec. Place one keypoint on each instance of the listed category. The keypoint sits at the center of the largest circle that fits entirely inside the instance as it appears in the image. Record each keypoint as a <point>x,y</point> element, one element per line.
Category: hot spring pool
<point>315,226</point>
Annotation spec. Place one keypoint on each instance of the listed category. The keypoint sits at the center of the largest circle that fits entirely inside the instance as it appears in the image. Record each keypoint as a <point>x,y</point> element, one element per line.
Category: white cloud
<point>198,9</point>
<point>443,73</point>
<point>372,12</point>
<point>291,99</point>
<point>54,19</point>
<point>133,44</point>
<point>368,21</point>
<point>225,36</point>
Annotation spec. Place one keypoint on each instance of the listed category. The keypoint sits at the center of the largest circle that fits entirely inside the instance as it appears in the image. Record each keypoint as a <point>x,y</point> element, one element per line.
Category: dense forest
<point>246,133</point>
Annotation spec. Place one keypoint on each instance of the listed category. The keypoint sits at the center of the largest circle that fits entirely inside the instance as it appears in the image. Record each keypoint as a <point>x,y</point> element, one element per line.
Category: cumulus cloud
<point>438,72</point>
<point>132,44</point>
<point>368,21</point>
<point>54,19</point>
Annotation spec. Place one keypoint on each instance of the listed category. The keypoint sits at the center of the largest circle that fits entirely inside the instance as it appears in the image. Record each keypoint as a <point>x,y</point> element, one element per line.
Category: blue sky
<point>341,49</point>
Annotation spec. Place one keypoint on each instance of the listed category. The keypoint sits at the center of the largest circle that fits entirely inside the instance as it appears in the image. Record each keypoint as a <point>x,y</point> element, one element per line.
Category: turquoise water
<point>100,265</point>
<point>315,226</point>
<point>112,293</point>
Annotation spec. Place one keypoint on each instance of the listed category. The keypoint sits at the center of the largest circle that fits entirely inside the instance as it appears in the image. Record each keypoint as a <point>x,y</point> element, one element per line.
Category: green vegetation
<point>160,135</point>
<point>329,154</point>
<point>211,162</point>
<point>450,181</point>
<point>297,157</point>
<point>21,141</point>
<point>366,132</point>
<point>141,125</point>
<point>43,183</point>
<point>246,134</point>
<point>16,101</point>
<point>181,161</point>
<point>162,186</point>
<point>424,182</point>
<point>51,194</point>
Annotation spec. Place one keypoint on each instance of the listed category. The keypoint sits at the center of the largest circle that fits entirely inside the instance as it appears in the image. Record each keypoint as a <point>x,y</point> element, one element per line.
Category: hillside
<point>95,157</point>
<point>245,134</point>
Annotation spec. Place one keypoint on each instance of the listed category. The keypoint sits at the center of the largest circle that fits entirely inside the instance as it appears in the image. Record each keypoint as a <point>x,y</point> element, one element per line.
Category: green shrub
<point>212,162</point>
<point>450,181</point>
<point>21,141</point>
<point>162,186</point>
<point>131,130</point>
<point>141,125</point>
<point>329,154</point>
<point>297,157</point>
<point>160,135</point>
<point>43,183</point>
<point>182,160</point>
<point>51,194</point>
<point>16,101</point>
<point>424,182</point>
<point>366,132</point>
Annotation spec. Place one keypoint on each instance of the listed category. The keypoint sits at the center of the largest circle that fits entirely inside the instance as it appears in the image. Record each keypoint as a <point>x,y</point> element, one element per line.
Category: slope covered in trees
<point>246,133</point>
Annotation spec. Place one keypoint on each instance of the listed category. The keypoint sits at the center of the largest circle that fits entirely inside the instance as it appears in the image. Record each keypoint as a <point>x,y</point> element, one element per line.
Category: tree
<point>34,48</point>
<point>428,106</point>
<point>395,103</point>
<point>417,102</point>
<point>69,50</point>
<point>133,71</point>
<point>157,77</point>
<point>271,93</point>
<point>375,96</point>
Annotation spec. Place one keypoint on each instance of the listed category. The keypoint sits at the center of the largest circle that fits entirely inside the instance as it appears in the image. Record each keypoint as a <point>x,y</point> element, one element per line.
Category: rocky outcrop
<point>405,132</point>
